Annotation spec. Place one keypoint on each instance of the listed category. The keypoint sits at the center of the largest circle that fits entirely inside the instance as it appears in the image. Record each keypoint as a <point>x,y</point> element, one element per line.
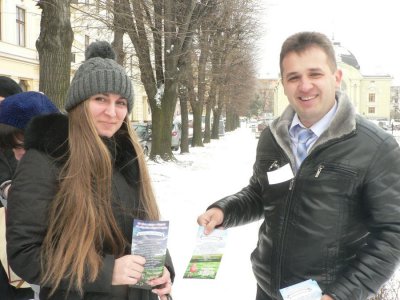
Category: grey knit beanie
<point>100,73</point>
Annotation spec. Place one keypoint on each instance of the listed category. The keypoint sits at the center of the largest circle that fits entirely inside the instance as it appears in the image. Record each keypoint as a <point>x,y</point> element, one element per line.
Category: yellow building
<point>370,94</point>
<point>19,59</point>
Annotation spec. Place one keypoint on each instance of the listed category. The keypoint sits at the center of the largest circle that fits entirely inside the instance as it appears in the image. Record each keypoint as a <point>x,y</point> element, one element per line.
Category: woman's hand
<point>163,285</point>
<point>128,269</point>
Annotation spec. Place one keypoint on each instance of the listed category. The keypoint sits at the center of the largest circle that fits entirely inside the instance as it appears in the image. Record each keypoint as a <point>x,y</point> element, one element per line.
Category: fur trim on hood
<point>343,123</point>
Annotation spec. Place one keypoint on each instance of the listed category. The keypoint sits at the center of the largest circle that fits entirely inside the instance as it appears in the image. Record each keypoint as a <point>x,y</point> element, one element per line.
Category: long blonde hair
<point>81,220</point>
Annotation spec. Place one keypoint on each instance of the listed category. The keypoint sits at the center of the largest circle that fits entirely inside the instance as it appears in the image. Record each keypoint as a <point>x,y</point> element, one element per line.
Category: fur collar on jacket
<point>343,123</point>
<point>49,134</point>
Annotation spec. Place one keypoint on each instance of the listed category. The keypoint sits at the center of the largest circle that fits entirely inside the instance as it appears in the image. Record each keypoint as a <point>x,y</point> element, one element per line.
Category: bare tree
<point>230,47</point>
<point>54,48</point>
<point>242,82</point>
<point>161,32</point>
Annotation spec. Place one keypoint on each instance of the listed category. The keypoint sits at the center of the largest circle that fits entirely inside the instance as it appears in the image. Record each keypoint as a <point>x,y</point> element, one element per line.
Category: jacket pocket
<point>335,170</point>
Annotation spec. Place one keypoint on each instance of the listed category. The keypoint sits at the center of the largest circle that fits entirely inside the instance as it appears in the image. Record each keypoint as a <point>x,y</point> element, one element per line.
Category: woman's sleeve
<point>33,188</point>
<point>169,265</point>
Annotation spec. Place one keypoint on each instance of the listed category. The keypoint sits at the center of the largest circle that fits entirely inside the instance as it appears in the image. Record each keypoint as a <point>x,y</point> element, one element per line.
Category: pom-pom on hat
<point>17,110</point>
<point>100,73</point>
<point>8,87</point>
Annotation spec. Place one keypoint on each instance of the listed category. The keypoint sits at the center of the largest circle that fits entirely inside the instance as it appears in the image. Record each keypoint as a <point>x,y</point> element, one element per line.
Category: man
<point>334,216</point>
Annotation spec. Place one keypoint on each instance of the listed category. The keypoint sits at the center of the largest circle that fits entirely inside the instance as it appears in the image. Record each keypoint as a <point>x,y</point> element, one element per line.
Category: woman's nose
<point>110,110</point>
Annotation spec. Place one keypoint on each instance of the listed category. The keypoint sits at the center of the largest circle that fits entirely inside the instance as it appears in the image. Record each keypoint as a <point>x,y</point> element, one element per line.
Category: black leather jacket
<point>337,220</point>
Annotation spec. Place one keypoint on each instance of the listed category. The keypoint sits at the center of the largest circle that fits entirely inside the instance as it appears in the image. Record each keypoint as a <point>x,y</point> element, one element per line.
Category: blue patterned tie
<point>303,137</point>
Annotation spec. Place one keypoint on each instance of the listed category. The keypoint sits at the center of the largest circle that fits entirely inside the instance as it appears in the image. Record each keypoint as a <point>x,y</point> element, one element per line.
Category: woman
<point>77,190</point>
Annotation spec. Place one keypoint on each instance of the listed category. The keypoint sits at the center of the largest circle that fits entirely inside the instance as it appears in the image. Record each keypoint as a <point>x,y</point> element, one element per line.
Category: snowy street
<point>185,189</point>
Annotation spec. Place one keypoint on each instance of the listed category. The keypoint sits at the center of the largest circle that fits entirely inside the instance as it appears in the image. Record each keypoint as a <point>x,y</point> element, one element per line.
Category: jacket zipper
<point>289,204</point>
<point>278,266</point>
<point>273,165</point>
<point>320,167</point>
<point>284,229</point>
<point>327,167</point>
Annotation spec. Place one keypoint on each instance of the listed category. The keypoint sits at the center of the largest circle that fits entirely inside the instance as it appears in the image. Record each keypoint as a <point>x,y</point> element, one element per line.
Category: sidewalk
<point>184,190</point>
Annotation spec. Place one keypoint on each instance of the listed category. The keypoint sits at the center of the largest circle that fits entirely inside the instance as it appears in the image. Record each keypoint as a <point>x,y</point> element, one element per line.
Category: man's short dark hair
<point>302,41</point>
<point>8,87</point>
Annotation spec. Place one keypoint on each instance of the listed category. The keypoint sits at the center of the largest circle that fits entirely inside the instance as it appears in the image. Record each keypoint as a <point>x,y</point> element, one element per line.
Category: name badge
<point>282,174</point>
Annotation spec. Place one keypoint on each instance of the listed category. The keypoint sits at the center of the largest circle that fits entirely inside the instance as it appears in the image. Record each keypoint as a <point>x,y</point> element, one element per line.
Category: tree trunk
<point>183,100</point>
<point>230,119</point>
<point>207,125</point>
<point>215,125</point>
<point>54,48</point>
<point>217,110</point>
<point>118,42</point>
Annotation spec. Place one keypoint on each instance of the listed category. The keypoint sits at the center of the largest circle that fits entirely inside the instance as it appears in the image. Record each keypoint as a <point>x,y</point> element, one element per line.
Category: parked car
<point>221,127</point>
<point>261,125</point>
<point>384,124</point>
<point>176,134</point>
<point>252,124</point>
<point>143,131</point>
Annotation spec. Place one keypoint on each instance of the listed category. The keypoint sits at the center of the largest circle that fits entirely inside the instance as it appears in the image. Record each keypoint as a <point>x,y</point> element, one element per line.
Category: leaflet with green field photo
<point>149,239</point>
<point>207,254</point>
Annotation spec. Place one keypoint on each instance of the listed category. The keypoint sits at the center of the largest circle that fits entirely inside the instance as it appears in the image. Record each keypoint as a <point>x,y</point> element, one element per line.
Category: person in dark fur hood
<point>16,111</point>
<point>77,190</point>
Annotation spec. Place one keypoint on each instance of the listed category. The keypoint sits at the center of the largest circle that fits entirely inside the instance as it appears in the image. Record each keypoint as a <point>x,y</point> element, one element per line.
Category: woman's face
<point>19,149</point>
<point>108,111</point>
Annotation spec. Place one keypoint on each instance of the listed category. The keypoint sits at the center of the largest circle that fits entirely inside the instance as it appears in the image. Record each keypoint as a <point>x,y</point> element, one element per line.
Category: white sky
<point>367,28</point>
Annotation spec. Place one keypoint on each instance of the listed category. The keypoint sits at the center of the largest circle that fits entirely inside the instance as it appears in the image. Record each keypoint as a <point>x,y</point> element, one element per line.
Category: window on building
<point>24,85</point>
<point>371,97</point>
<point>87,41</point>
<point>371,110</point>
<point>20,26</point>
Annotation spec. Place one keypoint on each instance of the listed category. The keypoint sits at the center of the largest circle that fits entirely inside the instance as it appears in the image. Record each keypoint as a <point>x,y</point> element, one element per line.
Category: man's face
<point>310,84</point>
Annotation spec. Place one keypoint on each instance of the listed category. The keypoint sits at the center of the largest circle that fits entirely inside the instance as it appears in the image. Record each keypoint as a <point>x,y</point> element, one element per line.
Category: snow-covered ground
<point>185,189</point>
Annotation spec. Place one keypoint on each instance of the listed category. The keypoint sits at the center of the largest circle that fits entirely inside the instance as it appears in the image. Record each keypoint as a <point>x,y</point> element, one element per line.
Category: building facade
<point>19,29</point>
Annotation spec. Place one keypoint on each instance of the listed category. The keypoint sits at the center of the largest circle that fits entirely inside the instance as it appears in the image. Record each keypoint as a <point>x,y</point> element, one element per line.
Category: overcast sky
<point>369,29</point>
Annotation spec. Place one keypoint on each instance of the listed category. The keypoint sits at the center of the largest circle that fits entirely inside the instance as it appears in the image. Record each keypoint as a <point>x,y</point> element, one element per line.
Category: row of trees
<point>198,51</point>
